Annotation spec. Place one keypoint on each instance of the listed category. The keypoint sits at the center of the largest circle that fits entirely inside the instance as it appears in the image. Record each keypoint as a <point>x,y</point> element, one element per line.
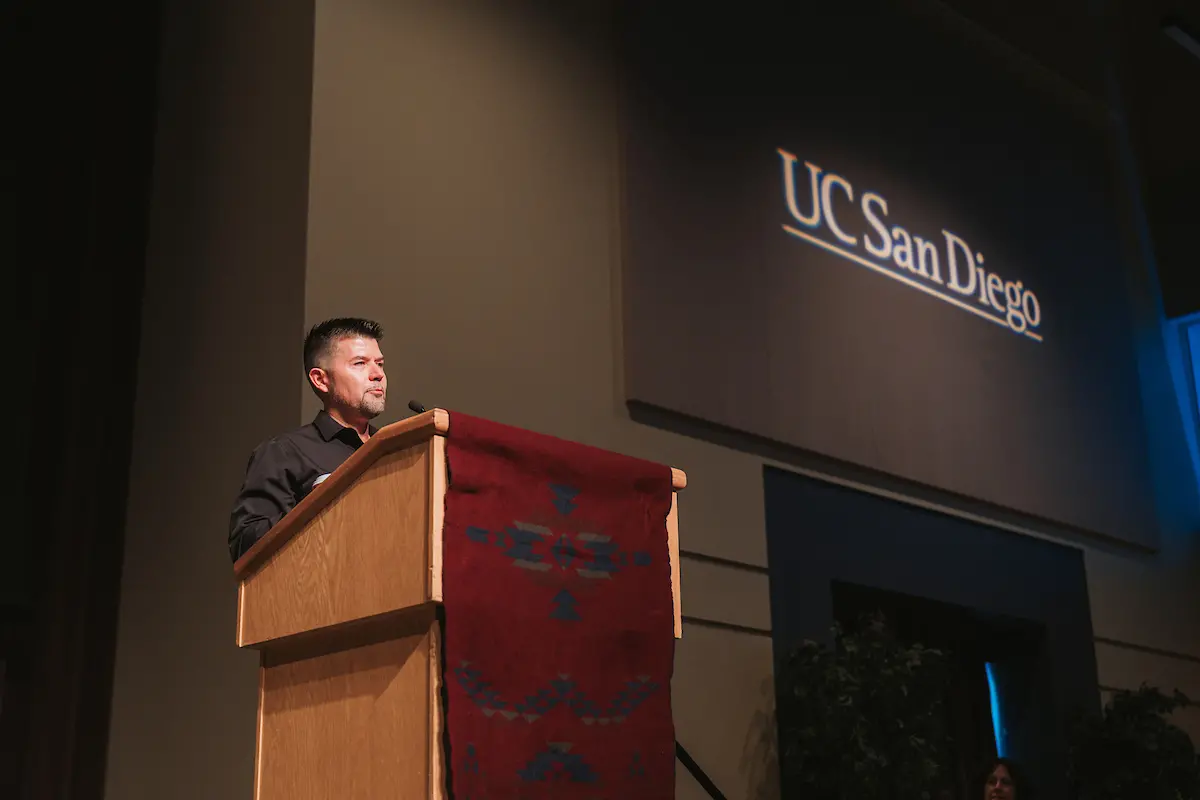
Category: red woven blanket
<point>559,631</point>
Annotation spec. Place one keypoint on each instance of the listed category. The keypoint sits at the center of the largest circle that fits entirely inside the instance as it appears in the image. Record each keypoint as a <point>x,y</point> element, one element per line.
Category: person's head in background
<point>1003,780</point>
<point>344,365</point>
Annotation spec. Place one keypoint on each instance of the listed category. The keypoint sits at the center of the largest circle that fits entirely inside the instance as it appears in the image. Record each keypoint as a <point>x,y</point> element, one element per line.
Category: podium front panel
<point>364,555</point>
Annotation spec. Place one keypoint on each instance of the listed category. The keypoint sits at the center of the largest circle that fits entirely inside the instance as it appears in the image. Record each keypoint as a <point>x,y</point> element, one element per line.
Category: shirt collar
<point>329,428</point>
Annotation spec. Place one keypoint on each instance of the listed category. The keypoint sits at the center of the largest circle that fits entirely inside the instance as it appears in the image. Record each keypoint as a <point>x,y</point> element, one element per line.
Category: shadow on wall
<point>760,753</point>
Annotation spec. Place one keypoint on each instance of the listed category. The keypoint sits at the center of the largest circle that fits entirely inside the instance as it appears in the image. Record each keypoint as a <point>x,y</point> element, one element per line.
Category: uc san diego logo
<point>914,261</point>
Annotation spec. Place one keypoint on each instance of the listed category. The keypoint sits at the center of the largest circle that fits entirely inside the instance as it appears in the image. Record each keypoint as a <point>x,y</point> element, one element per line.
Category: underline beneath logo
<point>882,270</point>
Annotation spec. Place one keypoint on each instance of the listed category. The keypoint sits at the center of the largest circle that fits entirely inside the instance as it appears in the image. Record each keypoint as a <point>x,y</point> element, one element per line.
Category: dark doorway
<point>992,663</point>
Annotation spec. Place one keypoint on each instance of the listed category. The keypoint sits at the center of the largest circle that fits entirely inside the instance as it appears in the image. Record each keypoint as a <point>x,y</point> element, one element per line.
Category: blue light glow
<point>1192,334</point>
<point>997,718</point>
<point>1182,341</point>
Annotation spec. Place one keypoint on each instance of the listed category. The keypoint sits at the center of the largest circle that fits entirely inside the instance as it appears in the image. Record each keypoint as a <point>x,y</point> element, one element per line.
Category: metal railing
<point>699,774</point>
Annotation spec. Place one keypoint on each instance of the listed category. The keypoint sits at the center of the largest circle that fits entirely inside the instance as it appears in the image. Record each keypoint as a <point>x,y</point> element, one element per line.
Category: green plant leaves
<point>1132,750</point>
<point>863,718</point>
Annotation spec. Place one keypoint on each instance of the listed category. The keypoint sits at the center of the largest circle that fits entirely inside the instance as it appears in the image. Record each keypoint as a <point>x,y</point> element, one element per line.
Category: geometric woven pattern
<point>560,691</point>
<point>559,634</point>
<point>557,758</point>
<point>538,548</point>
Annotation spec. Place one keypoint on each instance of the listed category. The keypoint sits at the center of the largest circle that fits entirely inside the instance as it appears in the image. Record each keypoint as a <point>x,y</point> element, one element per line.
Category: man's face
<point>353,378</point>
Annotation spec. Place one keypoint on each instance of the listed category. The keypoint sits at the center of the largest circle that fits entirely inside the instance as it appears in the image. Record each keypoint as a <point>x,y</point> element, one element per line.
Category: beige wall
<point>463,191</point>
<point>462,188</point>
<point>223,312</point>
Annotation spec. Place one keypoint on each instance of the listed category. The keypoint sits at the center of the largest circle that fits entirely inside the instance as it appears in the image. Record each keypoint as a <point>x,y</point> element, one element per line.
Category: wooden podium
<point>341,600</point>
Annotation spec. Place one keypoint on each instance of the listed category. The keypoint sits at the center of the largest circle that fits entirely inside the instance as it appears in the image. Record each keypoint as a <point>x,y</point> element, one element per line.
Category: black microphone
<point>416,407</point>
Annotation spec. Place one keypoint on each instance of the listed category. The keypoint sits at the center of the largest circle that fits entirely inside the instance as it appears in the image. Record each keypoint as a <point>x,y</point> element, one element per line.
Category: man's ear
<point>319,379</point>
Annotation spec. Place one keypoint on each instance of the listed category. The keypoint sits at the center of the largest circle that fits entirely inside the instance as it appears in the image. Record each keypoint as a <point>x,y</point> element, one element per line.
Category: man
<point>345,369</point>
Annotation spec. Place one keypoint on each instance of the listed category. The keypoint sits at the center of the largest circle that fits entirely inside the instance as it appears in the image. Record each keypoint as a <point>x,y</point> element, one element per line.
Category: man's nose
<point>377,373</point>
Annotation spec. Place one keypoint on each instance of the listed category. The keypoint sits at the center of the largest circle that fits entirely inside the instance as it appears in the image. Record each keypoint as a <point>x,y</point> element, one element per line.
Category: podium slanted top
<point>392,438</point>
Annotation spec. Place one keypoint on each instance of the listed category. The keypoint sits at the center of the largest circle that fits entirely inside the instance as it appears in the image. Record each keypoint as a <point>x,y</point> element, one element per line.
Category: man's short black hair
<point>324,336</point>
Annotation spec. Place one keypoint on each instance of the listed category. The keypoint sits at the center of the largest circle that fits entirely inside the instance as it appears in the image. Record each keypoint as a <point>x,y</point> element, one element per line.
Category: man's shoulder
<point>286,439</point>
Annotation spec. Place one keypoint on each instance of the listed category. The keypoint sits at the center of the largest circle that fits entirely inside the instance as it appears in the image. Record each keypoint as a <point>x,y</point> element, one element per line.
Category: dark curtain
<point>76,186</point>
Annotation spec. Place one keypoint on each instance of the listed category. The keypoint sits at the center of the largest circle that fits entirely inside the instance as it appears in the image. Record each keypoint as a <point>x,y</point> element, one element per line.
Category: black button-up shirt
<point>282,471</point>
